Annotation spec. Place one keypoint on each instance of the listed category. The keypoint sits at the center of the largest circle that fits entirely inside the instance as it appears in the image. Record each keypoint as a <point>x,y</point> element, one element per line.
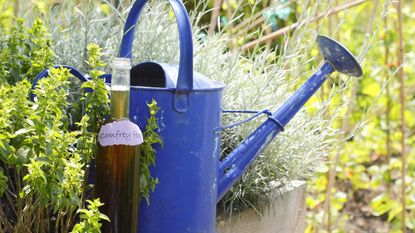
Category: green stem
<point>40,218</point>
<point>85,183</point>
<point>58,219</point>
<point>18,190</point>
<point>69,221</point>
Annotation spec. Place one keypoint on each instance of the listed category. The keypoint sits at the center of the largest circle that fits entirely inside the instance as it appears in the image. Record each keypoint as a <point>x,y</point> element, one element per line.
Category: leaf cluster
<point>40,154</point>
<point>90,218</point>
<point>43,158</point>
<point>24,52</point>
<point>54,166</point>
<point>148,152</point>
<point>96,98</point>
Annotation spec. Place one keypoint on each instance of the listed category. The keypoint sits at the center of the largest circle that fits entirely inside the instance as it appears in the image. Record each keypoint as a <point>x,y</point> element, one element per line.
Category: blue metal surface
<point>287,111</point>
<point>186,166</point>
<point>171,74</point>
<point>256,114</point>
<point>337,55</point>
<point>236,163</point>
<point>185,80</point>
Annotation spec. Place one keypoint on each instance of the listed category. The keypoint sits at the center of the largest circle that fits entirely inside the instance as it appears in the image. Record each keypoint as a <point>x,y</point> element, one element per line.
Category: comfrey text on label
<point>120,133</point>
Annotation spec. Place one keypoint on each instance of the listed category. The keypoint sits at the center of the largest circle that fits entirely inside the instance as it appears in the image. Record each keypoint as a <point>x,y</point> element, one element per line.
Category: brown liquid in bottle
<point>117,185</point>
<point>117,174</point>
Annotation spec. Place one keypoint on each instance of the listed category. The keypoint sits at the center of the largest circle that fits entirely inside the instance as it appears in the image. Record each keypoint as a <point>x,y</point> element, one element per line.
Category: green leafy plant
<point>47,145</point>
<point>90,218</point>
<point>148,153</point>
<point>24,51</point>
<point>39,152</point>
<point>96,101</point>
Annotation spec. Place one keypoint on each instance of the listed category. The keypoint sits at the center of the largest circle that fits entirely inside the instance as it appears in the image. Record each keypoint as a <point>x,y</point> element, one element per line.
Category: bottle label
<point>122,132</point>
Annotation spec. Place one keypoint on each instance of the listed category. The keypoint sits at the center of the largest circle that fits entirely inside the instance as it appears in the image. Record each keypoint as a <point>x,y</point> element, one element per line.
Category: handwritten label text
<point>122,132</point>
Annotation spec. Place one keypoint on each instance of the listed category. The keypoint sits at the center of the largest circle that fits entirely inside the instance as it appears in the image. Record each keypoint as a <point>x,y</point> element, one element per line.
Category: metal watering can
<point>192,179</point>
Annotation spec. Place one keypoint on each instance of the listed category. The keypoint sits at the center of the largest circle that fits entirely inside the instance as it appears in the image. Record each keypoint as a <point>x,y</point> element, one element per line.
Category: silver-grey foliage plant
<point>255,81</point>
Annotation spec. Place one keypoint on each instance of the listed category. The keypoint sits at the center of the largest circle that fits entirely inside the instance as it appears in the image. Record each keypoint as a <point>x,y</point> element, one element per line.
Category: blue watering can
<point>192,179</point>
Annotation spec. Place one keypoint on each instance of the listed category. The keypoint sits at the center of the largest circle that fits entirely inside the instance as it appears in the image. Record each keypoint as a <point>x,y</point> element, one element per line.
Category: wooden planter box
<point>285,215</point>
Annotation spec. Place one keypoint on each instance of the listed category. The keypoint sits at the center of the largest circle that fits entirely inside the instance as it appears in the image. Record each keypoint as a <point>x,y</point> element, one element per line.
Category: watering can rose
<point>122,132</point>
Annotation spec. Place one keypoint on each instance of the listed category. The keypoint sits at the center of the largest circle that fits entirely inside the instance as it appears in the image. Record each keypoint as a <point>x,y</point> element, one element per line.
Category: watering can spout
<point>337,58</point>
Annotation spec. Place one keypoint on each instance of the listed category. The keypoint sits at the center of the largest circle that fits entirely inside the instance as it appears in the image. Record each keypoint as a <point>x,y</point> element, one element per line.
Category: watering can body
<point>185,197</point>
<point>186,165</point>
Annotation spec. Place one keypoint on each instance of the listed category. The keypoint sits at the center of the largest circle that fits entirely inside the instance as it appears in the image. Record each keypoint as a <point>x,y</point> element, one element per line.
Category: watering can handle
<point>185,79</point>
<point>45,73</point>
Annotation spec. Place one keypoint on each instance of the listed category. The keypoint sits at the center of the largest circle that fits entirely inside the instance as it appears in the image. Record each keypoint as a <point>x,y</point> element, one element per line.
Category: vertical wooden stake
<point>215,14</point>
<point>16,8</point>
<point>388,104</point>
<point>337,20</point>
<point>268,30</point>
<point>402,101</point>
<point>231,29</point>
<point>369,25</point>
<point>330,22</point>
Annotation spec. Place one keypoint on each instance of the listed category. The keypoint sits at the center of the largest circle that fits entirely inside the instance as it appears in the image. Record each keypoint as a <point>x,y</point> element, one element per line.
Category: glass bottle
<point>117,159</point>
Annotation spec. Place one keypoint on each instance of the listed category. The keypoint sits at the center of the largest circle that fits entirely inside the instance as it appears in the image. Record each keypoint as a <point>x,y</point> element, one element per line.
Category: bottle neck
<point>120,94</point>
<point>120,103</point>
<point>120,89</point>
